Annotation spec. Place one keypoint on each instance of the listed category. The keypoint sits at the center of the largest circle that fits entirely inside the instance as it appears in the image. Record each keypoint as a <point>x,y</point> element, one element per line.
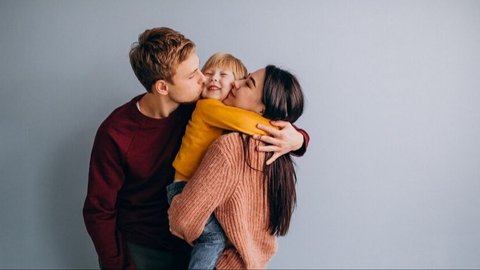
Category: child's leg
<point>208,247</point>
<point>174,189</point>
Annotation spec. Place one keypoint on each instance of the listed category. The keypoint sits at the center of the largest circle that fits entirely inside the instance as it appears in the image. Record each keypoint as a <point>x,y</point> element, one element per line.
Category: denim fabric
<point>209,246</point>
<point>173,189</point>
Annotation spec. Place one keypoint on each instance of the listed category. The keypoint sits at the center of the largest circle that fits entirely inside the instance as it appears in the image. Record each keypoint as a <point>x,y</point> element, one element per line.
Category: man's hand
<point>280,141</point>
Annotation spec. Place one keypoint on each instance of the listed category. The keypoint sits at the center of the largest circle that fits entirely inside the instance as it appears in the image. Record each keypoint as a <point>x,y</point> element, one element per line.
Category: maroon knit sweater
<point>130,167</point>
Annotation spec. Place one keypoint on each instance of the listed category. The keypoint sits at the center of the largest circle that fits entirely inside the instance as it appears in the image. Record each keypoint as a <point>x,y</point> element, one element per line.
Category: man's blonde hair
<point>157,55</point>
<point>226,60</point>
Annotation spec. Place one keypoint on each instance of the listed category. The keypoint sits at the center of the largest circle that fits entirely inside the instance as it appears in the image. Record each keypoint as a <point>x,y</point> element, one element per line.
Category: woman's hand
<point>280,141</point>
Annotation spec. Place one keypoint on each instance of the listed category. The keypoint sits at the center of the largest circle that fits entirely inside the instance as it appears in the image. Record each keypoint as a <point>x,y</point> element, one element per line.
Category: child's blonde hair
<point>226,60</point>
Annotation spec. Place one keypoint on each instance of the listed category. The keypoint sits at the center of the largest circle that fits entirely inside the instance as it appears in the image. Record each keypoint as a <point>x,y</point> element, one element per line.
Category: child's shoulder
<point>209,104</point>
<point>208,101</point>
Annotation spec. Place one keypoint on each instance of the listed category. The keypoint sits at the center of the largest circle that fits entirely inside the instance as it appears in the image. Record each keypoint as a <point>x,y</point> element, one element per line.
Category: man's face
<point>188,81</point>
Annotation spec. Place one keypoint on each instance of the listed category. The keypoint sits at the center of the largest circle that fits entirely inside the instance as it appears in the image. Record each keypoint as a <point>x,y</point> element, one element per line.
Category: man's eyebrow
<point>193,72</point>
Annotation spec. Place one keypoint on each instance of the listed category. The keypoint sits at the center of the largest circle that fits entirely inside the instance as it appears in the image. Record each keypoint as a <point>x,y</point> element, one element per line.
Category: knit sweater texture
<point>225,185</point>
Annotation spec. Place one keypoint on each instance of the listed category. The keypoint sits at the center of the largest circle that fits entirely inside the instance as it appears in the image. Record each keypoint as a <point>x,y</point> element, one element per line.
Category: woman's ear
<point>160,87</point>
<point>262,110</point>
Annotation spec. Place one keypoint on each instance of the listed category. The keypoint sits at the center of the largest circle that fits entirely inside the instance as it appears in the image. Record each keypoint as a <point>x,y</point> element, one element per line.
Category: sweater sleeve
<point>306,139</point>
<point>212,184</point>
<point>105,180</point>
<point>219,115</point>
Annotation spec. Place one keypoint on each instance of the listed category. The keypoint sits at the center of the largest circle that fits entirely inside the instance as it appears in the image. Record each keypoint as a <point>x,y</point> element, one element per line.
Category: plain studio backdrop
<point>391,178</point>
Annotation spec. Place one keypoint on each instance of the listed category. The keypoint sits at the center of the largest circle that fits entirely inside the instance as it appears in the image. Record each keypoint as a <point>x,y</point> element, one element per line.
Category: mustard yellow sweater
<point>226,186</point>
<point>209,120</point>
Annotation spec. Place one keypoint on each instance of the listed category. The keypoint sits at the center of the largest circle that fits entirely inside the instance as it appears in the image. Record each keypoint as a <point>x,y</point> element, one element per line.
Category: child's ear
<point>160,87</point>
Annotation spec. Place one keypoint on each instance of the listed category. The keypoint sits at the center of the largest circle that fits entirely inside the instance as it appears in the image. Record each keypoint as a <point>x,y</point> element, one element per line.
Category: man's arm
<point>286,138</point>
<point>100,214</point>
<point>306,139</point>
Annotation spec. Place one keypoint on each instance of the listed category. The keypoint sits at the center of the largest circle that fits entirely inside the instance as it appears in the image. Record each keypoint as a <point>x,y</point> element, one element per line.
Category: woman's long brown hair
<point>283,100</point>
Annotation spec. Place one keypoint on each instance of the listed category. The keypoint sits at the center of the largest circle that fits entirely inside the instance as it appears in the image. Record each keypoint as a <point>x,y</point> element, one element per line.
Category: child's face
<point>248,93</point>
<point>218,83</point>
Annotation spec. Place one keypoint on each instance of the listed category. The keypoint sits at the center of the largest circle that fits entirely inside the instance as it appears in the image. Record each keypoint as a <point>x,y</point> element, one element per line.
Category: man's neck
<point>157,106</point>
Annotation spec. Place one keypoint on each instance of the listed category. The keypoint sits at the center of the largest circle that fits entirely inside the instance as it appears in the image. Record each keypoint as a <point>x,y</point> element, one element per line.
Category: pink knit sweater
<point>226,185</point>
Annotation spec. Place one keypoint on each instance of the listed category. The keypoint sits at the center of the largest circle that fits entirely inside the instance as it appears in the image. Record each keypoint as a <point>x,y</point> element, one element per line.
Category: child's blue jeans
<point>209,246</point>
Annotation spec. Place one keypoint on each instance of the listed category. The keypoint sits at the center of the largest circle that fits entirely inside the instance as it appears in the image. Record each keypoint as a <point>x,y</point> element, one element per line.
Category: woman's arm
<point>211,185</point>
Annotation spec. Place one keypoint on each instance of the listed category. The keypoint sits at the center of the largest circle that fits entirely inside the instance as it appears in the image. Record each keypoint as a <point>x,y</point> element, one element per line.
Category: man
<point>125,210</point>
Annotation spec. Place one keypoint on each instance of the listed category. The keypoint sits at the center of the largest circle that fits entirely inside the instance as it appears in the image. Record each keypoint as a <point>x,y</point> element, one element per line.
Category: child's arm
<point>208,121</point>
<point>282,137</point>
<point>219,115</point>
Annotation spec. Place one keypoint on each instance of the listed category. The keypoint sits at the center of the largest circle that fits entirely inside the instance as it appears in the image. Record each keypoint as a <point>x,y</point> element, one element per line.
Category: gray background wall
<point>392,175</point>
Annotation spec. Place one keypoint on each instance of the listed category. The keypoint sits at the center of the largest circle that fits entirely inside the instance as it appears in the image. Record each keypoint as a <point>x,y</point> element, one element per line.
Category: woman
<point>252,201</point>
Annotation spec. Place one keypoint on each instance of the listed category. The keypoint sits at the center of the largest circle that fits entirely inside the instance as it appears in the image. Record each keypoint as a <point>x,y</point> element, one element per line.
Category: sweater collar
<point>174,116</point>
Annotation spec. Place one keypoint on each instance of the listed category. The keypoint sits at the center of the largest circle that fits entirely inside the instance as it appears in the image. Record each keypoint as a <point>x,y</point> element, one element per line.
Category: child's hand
<point>280,141</point>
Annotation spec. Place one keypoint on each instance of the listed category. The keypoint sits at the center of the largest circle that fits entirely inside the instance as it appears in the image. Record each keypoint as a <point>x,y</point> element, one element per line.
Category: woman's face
<point>247,93</point>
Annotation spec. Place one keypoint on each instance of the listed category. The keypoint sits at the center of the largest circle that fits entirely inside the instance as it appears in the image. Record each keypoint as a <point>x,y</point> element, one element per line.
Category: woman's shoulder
<point>230,144</point>
<point>233,144</point>
<point>208,102</point>
<point>230,140</point>
<point>226,149</point>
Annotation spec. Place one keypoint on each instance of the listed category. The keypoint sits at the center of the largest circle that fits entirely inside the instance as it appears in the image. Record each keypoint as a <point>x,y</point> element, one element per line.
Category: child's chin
<point>217,97</point>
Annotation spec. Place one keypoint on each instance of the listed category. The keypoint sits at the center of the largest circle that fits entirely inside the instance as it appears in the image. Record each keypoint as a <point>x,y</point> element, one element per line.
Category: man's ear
<point>160,87</point>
